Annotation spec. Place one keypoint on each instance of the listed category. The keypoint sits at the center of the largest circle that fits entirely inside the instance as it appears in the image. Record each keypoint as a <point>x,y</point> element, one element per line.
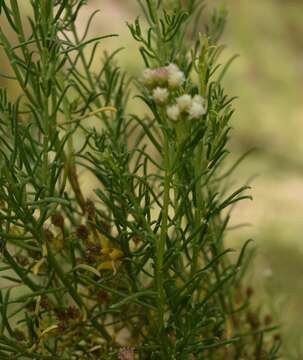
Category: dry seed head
<point>19,335</point>
<point>30,306</point>
<point>93,248</point>
<point>72,312</point>
<point>105,226</point>
<point>90,258</point>
<point>126,353</point>
<point>82,232</point>
<point>22,260</point>
<point>44,303</point>
<point>249,291</point>
<point>58,220</point>
<point>268,319</point>
<point>102,296</point>
<point>48,235</point>
<point>62,326</point>
<point>252,319</point>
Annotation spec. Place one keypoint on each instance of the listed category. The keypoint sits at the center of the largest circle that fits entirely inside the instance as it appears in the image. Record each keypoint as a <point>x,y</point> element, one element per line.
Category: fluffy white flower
<point>160,95</point>
<point>169,75</point>
<point>173,112</point>
<point>176,79</point>
<point>199,100</point>
<point>184,102</point>
<point>172,68</point>
<point>161,76</point>
<point>196,110</point>
<point>148,77</point>
<point>175,76</point>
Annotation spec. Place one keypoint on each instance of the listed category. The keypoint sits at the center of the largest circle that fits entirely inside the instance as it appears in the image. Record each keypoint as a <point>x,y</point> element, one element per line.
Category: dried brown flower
<point>82,232</point>
<point>58,220</point>
<point>19,335</point>
<point>22,260</point>
<point>252,319</point>
<point>249,291</point>
<point>126,353</point>
<point>268,320</point>
<point>48,235</point>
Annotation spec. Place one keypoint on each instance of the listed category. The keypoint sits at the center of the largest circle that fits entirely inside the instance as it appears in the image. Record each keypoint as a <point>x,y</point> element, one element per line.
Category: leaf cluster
<point>140,266</point>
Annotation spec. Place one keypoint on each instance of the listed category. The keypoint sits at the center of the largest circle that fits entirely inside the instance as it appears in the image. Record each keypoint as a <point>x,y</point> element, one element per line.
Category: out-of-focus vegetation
<point>267,77</point>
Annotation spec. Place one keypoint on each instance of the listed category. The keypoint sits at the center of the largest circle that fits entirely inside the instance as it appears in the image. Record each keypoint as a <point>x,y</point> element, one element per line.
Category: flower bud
<point>173,112</point>
<point>175,76</point>
<point>184,102</point>
<point>160,95</point>
<point>196,110</point>
<point>148,77</point>
<point>161,76</point>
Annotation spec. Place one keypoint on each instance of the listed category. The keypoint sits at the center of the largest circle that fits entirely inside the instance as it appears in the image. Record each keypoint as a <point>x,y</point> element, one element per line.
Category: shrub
<point>139,270</point>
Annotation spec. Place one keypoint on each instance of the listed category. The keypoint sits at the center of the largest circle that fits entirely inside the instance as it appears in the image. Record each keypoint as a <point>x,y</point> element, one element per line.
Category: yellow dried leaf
<point>229,328</point>
<point>88,268</point>
<point>49,329</point>
<point>102,239</point>
<point>106,265</point>
<point>106,251</point>
<point>58,242</point>
<point>44,250</point>
<point>37,266</point>
<point>97,347</point>
<point>116,254</point>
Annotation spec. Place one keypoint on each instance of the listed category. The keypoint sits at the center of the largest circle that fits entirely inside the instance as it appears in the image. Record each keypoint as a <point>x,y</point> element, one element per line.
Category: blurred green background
<point>268,78</point>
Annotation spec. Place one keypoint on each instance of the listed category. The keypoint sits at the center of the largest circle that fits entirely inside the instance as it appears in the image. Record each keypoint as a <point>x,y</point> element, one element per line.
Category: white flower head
<point>160,95</point>
<point>161,75</point>
<point>173,112</point>
<point>196,110</point>
<point>171,68</point>
<point>175,76</point>
<point>148,77</point>
<point>184,102</point>
<point>199,100</point>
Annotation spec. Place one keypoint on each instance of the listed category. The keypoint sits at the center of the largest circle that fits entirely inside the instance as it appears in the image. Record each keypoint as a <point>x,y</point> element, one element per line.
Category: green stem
<point>162,46</point>
<point>199,205</point>
<point>163,235</point>
<point>26,280</point>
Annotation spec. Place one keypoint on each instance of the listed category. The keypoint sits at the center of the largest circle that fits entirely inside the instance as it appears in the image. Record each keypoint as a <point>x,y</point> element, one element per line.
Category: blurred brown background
<point>267,77</point>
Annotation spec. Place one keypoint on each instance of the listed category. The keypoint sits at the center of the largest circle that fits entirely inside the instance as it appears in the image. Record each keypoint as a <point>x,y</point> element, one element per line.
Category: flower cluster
<point>163,83</point>
<point>170,77</point>
<point>193,107</point>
